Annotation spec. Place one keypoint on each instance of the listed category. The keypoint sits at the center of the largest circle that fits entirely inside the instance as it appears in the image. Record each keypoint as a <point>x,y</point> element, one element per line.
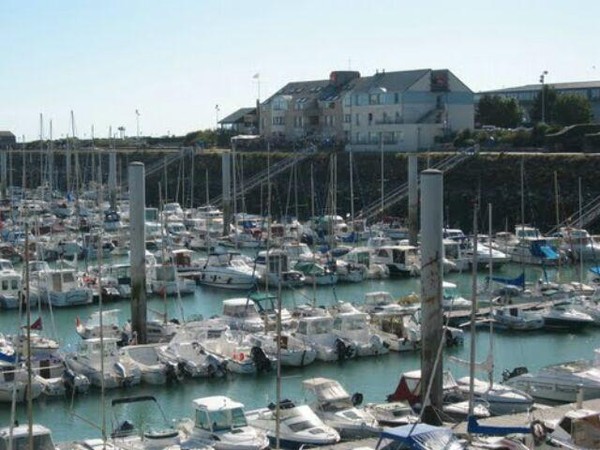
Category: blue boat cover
<point>419,436</point>
<point>474,427</point>
<point>595,270</point>
<point>519,281</point>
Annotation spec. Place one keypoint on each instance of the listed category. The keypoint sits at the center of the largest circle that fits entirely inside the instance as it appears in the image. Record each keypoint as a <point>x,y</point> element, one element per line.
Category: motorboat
<point>298,425</point>
<point>139,423</point>
<point>352,325</point>
<point>242,314</point>
<point>392,414</point>
<point>451,298</point>
<point>227,271</point>
<point>220,422</point>
<point>11,286</point>
<point>275,269</point>
<point>401,260</point>
<point>15,380</point>
<point>98,359</point>
<point>536,251</point>
<point>564,316</point>
<point>577,429</point>
<point>316,273</point>
<point>292,351</point>
<point>578,244</point>
<point>382,302</point>
<point>90,328</point>
<point>186,354</point>
<point>165,281</point>
<point>57,287</point>
<point>455,403</point>
<point>239,355</point>
<point>559,382</point>
<point>118,276</point>
<point>147,358</point>
<point>336,408</point>
<point>271,311</point>
<point>517,319</point>
<point>400,332</point>
<point>317,332</point>
<point>19,437</point>
<point>500,399</point>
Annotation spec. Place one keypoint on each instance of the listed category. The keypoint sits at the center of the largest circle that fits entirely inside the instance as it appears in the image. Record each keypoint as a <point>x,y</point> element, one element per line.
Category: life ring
<point>238,356</point>
<point>241,356</point>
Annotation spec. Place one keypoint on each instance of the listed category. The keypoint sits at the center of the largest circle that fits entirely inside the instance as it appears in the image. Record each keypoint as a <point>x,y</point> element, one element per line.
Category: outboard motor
<point>122,374</point>
<point>174,373</point>
<point>344,350</point>
<point>262,362</point>
<point>507,374</point>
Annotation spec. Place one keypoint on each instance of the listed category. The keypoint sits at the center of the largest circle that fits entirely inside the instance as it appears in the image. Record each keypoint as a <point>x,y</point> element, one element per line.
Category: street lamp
<point>137,124</point>
<point>217,109</point>
<point>542,79</point>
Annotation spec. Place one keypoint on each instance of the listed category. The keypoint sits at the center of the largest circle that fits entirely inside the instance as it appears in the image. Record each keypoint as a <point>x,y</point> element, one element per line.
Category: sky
<point>174,61</point>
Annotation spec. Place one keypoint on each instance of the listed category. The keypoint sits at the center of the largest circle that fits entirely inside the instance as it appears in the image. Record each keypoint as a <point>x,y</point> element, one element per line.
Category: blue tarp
<point>595,270</point>
<point>519,281</point>
<point>420,436</point>
<point>474,427</point>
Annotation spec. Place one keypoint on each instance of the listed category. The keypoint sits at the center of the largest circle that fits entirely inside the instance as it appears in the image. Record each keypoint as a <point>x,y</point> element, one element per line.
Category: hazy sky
<point>173,61</point>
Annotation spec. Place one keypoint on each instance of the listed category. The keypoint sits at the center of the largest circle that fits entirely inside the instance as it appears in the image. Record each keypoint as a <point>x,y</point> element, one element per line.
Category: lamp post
<point>542,79</point>
<point>217,109</point>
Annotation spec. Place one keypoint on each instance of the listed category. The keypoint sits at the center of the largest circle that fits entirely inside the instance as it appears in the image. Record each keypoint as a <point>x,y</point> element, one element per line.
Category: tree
<point>572,109</point>
<point>499,111</point>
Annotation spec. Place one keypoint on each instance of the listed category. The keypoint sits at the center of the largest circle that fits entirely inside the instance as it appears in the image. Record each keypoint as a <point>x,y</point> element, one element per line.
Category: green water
<point>375,377</point>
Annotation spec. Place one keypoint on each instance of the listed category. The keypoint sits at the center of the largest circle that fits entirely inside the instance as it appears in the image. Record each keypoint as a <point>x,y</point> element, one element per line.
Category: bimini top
<point>216,403</point>
<point>421,436</point>
<point>326,389</point>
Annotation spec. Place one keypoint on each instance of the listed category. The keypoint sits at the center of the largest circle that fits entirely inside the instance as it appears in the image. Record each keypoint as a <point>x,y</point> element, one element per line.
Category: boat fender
<point>357,399</point>
<point>538,430</point>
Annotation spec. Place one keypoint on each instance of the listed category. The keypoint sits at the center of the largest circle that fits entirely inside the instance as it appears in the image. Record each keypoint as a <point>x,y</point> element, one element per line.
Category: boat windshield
<point>40,442</point>
<point>228,418</point>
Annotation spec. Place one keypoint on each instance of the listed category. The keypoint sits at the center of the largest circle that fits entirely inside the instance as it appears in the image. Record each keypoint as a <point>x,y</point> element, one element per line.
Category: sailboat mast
<point>41,150</point>
<point>28,347</point>
<point>351,170</point>
<point>473,313</point>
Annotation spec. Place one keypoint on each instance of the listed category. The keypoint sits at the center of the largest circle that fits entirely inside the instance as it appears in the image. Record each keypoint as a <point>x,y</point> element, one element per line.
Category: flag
<point>37,325</point>
<point>256,76</point>
<point>77,322</point>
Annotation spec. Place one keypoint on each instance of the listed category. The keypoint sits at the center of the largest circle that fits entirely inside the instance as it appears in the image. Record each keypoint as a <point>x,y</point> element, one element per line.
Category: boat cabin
<point>42,437</point>
<point>218,413</point>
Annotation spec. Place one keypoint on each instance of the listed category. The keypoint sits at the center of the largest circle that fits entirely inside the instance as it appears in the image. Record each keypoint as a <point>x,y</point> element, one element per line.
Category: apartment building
<point>389,111</point>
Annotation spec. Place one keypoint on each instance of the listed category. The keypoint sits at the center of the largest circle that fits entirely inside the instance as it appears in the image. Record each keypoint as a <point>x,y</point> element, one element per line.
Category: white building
<point>401,111</point>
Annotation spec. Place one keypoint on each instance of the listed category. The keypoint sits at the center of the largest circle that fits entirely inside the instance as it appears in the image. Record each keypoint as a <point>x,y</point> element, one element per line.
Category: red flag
<point>37,325</point>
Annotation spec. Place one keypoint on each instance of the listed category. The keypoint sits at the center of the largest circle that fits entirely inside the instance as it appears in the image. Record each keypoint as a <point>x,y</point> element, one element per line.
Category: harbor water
<point>374,377</point>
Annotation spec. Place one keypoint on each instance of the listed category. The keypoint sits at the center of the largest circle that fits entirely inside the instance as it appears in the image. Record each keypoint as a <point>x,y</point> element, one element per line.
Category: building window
<point>347,118</point>
<point>396,97</point>
<point>398,117</point>
<point>348,100</point>
<point>278,120</point>
<point>357,119</point>
<point>374,99</point>
<point>370,118</point>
